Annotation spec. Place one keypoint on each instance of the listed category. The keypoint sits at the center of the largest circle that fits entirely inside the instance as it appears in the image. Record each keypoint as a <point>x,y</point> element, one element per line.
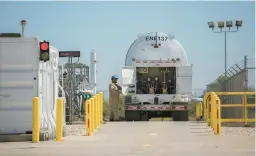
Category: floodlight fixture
<point>238,23</point>
<point>221,24</point>
<point>211,24</point>
<point>229,24</point>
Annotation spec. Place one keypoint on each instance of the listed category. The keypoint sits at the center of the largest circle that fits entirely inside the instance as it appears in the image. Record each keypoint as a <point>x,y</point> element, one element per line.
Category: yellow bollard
<point>59,119</point>
<point>217,130</point>
<point>101,107</point>
<point>213,112</point>
<point>97,113</point>
<point>35,120</point>
<point>199,110</point>
<point>209,111</point>
<point>98,110</point>
<point>205,105</point>
<point>98,106</point>
<point>93,114</point>
<point>88,117</point>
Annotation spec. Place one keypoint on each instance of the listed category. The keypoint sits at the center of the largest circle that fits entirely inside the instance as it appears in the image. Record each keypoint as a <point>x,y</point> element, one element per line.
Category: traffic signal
<point>44,51</point>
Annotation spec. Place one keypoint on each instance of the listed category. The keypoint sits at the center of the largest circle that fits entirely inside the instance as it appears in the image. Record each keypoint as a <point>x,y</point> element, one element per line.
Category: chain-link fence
<point>240,78</point>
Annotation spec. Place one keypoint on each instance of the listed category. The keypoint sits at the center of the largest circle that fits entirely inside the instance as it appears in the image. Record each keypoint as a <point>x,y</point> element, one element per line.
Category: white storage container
<point>22,77</point>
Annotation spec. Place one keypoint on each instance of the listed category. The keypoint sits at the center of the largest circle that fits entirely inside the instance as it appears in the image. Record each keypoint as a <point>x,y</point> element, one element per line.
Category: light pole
<point>221,25</point>
<point>23,24</point>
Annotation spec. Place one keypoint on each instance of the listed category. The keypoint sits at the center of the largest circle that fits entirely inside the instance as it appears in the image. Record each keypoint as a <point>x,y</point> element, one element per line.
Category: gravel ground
<point>79,130</point>
<point>75,130</point>
<point>238,131</point>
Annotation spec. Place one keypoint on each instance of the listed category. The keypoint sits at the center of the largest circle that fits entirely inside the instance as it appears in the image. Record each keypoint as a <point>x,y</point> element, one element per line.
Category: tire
<point>144,116</point>
<point>132,115</point>
<point>180,116</point>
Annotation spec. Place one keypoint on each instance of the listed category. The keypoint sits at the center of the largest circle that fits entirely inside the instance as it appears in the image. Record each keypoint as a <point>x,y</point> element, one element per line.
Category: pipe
<point>93,77</point>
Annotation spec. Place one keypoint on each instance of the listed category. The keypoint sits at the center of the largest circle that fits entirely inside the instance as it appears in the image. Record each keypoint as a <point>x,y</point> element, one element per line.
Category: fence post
<point>88,117</point>
<point>35,120</point>
<point>246,74</point>
<point>59,119</point>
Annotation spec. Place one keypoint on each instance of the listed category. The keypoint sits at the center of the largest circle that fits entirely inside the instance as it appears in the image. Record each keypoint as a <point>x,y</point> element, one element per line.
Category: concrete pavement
<point>138,139</point>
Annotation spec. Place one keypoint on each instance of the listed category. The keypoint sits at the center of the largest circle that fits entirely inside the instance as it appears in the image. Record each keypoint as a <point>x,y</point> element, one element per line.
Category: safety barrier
<point>199,110</point>
<point>36,120</point>
<point>212,112</point>
<point>94,113</point>
<point>93,117</point>
<point>212,109</point>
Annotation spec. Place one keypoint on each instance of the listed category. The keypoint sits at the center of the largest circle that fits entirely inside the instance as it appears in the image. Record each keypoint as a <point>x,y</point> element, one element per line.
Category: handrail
<point>212,109</point>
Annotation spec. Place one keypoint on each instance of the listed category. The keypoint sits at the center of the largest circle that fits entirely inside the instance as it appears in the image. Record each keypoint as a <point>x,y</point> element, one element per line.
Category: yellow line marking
<point>153,134</point>
<point>146,145</point>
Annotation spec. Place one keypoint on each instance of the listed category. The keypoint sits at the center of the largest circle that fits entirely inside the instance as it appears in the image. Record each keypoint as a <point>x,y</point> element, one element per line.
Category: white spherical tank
<point>156,46</point>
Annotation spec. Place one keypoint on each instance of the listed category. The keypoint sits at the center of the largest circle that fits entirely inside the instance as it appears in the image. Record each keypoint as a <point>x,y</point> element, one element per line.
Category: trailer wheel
<point>132,115</point>
<point>144,116</point>
<point>180,116</point>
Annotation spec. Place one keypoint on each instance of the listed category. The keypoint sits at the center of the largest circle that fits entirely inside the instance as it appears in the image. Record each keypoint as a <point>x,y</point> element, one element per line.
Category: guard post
<point>97,110</point>
<point>35,119</point>
<point>59,119</point>
<point>217,130</point>
<point>213,111</point>
<point>93,113</point>
<point>199,110</point>
<point>88,117</point>
<point>101,107</point>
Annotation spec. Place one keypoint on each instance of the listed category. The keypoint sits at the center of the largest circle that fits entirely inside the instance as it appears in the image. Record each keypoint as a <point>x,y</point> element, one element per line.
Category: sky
<point>111,27</point>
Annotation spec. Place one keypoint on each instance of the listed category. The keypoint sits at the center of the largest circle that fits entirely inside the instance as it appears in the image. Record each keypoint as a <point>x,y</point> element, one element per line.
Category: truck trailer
<point>156,79</point>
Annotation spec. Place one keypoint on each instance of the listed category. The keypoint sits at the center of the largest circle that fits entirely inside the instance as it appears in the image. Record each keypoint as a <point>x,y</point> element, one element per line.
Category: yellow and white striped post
<point>88,117</point>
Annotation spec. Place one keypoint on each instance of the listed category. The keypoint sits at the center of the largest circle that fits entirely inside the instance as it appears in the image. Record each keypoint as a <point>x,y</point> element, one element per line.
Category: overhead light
<point>229,24</point>
<point>239,23</point>
<point>221,24</point>
<point>23,22</point>
<point>211,24</point>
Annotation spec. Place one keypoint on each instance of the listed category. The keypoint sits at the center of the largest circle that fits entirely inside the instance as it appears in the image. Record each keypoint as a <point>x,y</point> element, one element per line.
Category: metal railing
<point>241,78</point>
<point>212,103</point>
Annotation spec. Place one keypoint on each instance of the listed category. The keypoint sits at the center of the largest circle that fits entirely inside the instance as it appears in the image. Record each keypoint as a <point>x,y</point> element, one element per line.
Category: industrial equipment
<point>78,88</point>
<point>157,79</point>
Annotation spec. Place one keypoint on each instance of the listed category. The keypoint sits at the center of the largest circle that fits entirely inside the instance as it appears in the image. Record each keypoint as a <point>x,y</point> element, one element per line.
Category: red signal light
<point>44,46</point>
